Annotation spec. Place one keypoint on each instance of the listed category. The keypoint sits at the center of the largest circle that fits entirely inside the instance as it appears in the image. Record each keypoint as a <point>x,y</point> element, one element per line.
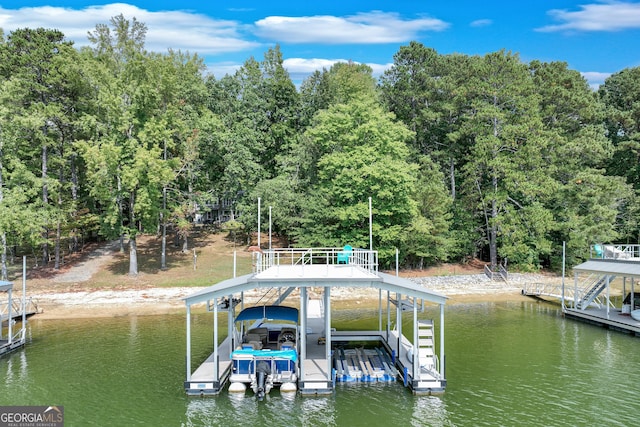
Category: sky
<point>595,37</point>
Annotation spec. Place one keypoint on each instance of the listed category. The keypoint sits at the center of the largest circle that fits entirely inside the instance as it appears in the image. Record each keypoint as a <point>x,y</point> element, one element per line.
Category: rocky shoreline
<point>115,302</point>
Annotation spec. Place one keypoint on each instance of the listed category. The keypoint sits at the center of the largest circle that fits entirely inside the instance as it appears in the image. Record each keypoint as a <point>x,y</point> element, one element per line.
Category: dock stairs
<point>594,291</point>
<point>426,346</point>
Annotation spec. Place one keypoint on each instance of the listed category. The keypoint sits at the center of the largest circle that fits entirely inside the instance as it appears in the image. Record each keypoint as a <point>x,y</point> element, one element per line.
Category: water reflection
<point>429,411</point>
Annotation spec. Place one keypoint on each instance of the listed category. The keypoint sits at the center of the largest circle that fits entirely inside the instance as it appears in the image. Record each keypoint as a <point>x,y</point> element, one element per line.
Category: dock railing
<point>363,258</point>
<point>554,290</point>
<point>614,251</point>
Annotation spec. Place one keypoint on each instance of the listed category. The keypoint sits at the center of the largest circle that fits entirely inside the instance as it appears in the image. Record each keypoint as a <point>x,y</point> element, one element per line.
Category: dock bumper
<point>313,388</point>
<point>203,388</point>
<point>428,387</point>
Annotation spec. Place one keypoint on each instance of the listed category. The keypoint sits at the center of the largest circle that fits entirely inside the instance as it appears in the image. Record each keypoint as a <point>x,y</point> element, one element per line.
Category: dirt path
<point>84,270</point>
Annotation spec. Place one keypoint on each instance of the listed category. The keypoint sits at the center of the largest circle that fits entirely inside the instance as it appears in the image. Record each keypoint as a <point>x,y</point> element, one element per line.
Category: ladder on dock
<point>426,346</point>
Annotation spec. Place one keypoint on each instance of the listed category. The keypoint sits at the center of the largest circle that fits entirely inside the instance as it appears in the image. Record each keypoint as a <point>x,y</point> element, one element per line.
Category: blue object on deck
<point>343,256</point>
<point>598,250</point>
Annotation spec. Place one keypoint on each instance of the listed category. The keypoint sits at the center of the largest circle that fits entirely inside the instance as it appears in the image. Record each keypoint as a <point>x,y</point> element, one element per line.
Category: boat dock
<point>10,338</point>
<point>594,294</point>
<point>306,277</point>
<point>12,311</point>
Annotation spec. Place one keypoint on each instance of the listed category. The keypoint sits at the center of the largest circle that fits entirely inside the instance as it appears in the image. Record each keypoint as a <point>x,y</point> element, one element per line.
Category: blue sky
<point>594,37</point>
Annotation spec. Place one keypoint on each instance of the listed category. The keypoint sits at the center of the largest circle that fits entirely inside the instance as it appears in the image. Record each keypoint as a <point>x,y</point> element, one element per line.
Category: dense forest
<point>463,156</point>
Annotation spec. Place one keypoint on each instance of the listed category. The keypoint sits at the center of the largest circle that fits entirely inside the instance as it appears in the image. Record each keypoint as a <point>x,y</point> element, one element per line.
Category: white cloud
<point>298,68</point>
<point>362,28</point>
<point>595,78</point>
<point>606,16</point>
<point>166,29</point>
<point>481,23</point>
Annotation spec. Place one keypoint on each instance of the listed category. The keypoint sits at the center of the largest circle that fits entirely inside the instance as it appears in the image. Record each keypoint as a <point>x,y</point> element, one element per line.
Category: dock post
<point>442,341</point>
<point>188,342</point>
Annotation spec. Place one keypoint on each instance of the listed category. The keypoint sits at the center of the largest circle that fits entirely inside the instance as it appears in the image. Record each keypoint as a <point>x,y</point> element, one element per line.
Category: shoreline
<point>85,303</point>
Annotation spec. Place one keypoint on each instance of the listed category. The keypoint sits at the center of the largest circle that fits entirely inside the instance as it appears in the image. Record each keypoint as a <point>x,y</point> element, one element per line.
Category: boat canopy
<point>272,312</point>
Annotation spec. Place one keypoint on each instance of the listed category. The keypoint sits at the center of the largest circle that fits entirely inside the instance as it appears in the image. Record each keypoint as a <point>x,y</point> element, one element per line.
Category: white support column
<point>10,313</point>
<point>575,290</point>
<point>388,314</point>
<point>303,331</point>
<point>442,370</point>
<point>216,356</point>
<point>230,313</point>
<point>24,297</point>
<point>188,343</point>
<point>380,309</point>
<point>399,320</point>
<point>416,347</point>
<point>608,295</point>
<point>327,329</point>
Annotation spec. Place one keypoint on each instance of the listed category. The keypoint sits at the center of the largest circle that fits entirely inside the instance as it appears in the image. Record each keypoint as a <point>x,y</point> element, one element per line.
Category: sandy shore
<point>154,301</point>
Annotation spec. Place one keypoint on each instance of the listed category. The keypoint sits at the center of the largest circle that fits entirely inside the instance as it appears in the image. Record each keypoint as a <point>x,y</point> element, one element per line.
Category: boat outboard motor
<point>262,371</point>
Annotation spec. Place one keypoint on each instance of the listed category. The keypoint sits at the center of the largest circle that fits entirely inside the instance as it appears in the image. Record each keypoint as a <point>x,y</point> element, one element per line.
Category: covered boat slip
<point>616,269</point>
<point>312,273</point>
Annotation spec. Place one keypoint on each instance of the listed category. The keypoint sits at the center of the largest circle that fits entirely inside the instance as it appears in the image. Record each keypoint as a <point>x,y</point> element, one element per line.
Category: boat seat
<point>257,345</point>
<point>263,333</point>
<point>286,345</point>
<point>249,338</point>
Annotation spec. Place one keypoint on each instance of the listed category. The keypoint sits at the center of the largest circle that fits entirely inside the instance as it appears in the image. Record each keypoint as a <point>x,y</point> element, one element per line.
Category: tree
<point>43,67</point>
<point>585,202</point>
<point>504,166</point>
<point>125,159</point>
<point>365,155</point>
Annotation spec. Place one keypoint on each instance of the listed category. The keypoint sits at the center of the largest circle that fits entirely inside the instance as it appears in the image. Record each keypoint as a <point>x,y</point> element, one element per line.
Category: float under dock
<point>613,319</point>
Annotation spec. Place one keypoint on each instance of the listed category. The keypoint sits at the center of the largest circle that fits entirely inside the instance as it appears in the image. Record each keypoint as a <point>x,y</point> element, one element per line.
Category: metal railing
<point>554,290</point>
<point>363,258</point>
<point>31,307</point>
<point>613,251</point>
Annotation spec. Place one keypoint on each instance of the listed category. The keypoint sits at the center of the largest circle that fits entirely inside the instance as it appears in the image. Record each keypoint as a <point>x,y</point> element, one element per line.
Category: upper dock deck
<point>319,263</point>
<point>615,251</point>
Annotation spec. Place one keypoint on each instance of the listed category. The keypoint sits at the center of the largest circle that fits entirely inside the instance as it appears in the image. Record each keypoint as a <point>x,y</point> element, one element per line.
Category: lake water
<point>511,364</point>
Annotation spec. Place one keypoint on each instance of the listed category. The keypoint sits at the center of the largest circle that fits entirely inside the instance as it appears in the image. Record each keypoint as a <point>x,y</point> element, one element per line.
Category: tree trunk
<point>3,240</point>
<point>74,198</point>
<point>3,235</point>
<point>133,256</point>
<point>45,202</point>
<point>57,246</point>
<point>185,243</point>
<point>133,249</point>
<point>452,177</point>
<point>163,255</point>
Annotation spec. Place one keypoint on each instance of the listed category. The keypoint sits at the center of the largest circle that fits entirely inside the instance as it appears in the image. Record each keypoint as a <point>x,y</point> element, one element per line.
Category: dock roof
<point>315,276</point>
<point>617,267</point>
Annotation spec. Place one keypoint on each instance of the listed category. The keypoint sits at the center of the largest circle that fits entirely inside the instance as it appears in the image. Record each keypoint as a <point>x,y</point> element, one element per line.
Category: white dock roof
<point>315,276</point>
<point>617,267</point>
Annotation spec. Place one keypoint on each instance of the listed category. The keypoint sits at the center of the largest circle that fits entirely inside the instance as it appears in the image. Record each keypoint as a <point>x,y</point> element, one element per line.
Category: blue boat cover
<point>282,354</point>
<point>272,312</point>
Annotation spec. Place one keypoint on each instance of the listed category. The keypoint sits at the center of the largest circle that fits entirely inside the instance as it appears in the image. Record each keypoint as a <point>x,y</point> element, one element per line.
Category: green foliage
<point>462,156</point>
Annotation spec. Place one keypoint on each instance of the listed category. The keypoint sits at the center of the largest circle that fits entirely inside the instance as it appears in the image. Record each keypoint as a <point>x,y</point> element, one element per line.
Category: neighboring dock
<point>12,311</point>
<point>611,270</point>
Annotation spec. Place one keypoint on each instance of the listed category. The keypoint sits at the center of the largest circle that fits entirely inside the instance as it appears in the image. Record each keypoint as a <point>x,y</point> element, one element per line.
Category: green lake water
<point>509,364</point>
